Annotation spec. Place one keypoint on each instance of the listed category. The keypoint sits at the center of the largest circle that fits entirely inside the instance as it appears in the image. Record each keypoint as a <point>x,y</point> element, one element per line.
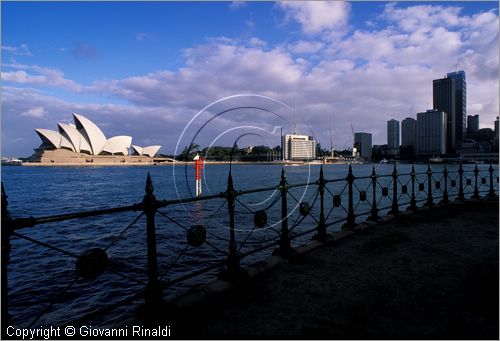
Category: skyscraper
<point>363,143</point>
<point>460,103</point>
<point>496,128</point>
<point>393,137</point>
<point>431,133</point>
<point>450,96</point>
<point>409,132</point>
<point>472,124</point>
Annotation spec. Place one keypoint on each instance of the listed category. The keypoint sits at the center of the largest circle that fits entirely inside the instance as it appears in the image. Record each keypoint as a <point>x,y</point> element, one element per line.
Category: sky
<point>159,71</point>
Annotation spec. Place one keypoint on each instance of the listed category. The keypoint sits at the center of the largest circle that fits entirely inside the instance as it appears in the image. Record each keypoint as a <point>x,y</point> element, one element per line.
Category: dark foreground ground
<point>432,274</point>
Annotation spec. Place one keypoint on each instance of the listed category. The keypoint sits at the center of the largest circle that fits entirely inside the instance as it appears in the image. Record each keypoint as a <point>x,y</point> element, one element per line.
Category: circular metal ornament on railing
<point>404,189</point>
<point>196,235</point>
<point>438,185</point>
<point>385,191</point>
<point>483,181</point>
<point>260,219</point>
<point>468,182</point>
<point>362,196</point>
<point>421,187</point>
<point>92,263</point>
<point>336,200</point>
<point>453,183</point>
<point>304,208</point>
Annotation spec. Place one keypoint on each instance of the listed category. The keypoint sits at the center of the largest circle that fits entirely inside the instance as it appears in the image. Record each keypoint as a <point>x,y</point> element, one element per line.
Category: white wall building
<point>298,147</point>
<point>85,137</point>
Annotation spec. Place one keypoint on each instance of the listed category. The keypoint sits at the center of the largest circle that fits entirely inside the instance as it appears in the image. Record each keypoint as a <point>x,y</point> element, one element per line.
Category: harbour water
<point>38,276</point>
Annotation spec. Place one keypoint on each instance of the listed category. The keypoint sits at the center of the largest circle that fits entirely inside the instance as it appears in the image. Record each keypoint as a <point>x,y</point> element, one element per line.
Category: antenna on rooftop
<point>294,111</point>
<point>331,137</point>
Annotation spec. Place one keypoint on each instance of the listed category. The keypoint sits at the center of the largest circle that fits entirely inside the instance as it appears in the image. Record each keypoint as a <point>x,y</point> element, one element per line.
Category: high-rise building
<point>496,128</point>
<point>450,96</point>
<point>460,103</point>
<point>299,147</point>
<point>363,144</point>
<point>431,133</point>
<point>393,137</point>
<point>408,132</point>
<point>472,124</point>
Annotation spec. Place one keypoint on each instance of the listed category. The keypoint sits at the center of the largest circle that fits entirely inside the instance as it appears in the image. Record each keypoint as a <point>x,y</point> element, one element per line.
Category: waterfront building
<point>496,128</point>
<point>393,138</point>
<point>431,133</point>
<point>450,96</point>
<point>409,132</point>
<point>363,144</point>
<point>472,124</point>
<point>299,147</point>
<point>83,142</point>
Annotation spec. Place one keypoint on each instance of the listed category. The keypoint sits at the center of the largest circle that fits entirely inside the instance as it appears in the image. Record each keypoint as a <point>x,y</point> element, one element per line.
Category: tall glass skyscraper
<point>450,96</point>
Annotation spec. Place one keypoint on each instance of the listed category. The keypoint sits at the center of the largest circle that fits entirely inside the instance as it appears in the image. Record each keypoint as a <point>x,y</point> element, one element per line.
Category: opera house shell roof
<point>85,137</point>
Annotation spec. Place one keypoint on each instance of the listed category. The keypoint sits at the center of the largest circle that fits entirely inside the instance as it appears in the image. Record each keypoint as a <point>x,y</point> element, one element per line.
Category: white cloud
<point>306,47</point>
<point>21,50</point>
<point>141,36</point>
<point>367,77</point>
<point>317,16</point>
<point>39,76</point>
<point>237,4</point>
<point>37,112</point>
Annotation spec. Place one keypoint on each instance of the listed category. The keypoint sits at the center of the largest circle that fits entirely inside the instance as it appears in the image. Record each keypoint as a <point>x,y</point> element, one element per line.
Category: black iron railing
<point>341,202</point>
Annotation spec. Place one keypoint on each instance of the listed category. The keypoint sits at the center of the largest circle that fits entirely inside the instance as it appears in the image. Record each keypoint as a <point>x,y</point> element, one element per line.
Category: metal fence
<point>285,216</point>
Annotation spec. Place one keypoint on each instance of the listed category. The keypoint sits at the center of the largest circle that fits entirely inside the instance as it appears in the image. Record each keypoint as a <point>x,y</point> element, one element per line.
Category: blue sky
<point>145,69</point>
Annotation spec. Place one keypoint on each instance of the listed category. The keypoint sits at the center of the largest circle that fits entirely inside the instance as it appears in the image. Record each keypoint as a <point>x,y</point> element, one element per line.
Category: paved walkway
<point>432,274</point>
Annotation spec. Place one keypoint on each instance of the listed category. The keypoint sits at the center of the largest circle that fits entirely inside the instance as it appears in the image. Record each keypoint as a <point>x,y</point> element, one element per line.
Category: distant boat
<point>435,159</point>
<point>383,161</point>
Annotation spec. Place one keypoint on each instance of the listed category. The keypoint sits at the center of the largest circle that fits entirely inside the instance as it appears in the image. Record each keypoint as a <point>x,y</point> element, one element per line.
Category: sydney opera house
<point>83,143</point>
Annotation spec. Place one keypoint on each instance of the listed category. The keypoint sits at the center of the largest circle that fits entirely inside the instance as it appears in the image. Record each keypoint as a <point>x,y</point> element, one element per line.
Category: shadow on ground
<point>432,274</point>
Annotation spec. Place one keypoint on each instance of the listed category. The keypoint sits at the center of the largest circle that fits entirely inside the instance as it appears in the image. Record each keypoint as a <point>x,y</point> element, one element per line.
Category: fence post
<point>153,295</point>
<point>233,260</point>
<point>491,192</point>
<point>413,200</point>
<point>7,229</point>
<point>351,219</point>
<point>374,211</point>
<point>429,186</point>
<point>445,192</point>
<point>395,206</point>
<point>460,182</point>
<point>476,189</point>
<point>284,249</point>
<point>321,226</point>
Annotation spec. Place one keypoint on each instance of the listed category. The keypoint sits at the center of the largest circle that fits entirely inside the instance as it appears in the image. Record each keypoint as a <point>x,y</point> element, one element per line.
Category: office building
<point>393,137</point>
<point>299,147</point>
<point>431,133</point>
<point>450,96</point>
<point>409,132</point>
<point>496,128</point>
<point>363,144</point>
<point>472,124</point>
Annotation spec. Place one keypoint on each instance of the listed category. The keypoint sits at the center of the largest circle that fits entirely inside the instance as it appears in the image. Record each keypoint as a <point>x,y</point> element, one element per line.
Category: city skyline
<point>362,63</point>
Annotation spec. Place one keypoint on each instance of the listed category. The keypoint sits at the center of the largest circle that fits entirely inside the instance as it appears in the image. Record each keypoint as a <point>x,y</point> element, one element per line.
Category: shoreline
<point>121,164</point>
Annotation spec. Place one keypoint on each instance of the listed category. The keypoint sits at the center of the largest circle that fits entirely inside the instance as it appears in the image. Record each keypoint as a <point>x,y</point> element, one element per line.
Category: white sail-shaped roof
<point>66,144</point>
<point>50,136</point>
<point>137,149</point>
<point>117,145</point>
<point>91,132</point>
<point>150,151</point>
<point>79,142</point>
